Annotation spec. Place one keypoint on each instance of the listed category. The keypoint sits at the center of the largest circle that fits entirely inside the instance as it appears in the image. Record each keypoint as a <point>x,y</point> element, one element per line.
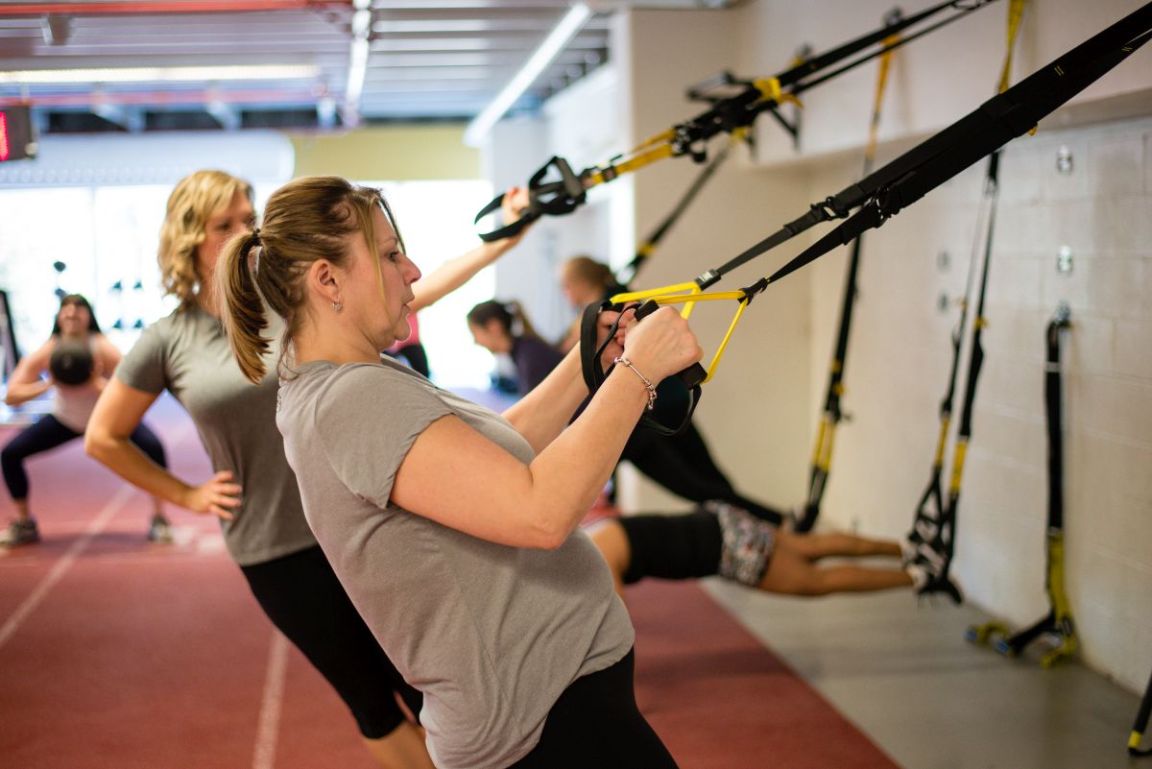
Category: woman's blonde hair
<point>588,270</point>
<point>192,203</point>
<point>305,220</point>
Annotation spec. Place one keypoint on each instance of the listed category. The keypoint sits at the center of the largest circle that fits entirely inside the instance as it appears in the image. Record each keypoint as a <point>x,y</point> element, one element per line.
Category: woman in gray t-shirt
<point>453,528</point>
<point>254,491</point>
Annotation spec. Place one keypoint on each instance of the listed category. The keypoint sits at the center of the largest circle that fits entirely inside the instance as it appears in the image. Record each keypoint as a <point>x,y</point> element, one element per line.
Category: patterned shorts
<point>748,543</point>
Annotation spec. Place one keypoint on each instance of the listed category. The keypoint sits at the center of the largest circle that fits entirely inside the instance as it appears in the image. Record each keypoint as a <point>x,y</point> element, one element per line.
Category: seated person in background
<point>78,360</point>
<point>502,328</point>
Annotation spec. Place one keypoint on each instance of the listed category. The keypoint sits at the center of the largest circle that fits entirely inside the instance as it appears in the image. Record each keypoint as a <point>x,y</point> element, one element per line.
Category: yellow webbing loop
<point>958,455</point>
<point>1015,12</point>
<point>639,160</point>
<point>884,65</point>
<point>769,88</point>
<point>690,293</point>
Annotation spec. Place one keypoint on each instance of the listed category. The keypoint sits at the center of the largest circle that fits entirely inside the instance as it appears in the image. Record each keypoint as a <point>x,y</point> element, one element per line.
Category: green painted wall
<point>394,153</point>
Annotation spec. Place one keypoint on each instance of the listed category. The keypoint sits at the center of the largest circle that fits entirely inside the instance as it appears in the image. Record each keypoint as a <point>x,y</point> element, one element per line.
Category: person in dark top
<point>502,328</point>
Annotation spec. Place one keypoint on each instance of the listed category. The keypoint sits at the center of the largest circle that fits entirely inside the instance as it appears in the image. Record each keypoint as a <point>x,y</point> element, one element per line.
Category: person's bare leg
<point>612,542</point>
<point>21,506</point>
<point>816,546</point>
<point>792,573</point>
<point>402,749</point>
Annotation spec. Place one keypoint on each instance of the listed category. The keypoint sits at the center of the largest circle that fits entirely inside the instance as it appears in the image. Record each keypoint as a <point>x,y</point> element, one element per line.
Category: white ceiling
<point>428,59</point>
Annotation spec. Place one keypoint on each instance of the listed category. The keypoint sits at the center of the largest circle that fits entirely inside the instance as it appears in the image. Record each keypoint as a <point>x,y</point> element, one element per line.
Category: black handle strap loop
<point>676,396</point>
<point>553,198</point>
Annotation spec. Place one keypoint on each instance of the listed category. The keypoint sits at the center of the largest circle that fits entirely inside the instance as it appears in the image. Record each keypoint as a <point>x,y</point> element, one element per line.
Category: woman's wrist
<point>622,361</point>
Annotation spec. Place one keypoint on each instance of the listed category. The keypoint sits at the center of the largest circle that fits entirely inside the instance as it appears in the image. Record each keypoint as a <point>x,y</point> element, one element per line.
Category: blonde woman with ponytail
<point>453,528</point>
<point>253,491</point>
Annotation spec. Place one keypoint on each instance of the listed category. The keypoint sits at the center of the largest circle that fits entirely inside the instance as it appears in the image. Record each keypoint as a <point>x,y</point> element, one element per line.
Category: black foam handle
<point>692,376</point>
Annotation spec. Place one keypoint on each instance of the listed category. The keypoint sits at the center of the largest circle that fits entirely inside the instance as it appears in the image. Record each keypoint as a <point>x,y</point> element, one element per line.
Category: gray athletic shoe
<point>23,532</point>
<point>160,530</point>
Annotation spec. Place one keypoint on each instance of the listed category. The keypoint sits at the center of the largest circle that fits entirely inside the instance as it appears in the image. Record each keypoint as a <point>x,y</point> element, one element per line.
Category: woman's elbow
<point>547,532</point>
<point>97,444</point>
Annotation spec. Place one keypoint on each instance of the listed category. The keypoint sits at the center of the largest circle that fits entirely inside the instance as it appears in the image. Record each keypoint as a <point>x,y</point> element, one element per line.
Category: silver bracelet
<point>647,382</point>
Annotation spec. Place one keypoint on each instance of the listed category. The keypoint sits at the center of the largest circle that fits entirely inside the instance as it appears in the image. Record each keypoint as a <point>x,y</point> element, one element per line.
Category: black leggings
<point>682,464</point>
<point>673,546</point>
<point>596,723</point>
<point>48,433</point>
<point>302,596</point>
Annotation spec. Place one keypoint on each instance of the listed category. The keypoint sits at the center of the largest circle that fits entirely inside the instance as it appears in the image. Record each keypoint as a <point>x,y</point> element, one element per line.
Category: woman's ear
<point>322,279</point>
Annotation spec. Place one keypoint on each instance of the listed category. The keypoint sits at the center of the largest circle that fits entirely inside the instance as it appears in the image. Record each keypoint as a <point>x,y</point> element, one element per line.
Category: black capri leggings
<point>48,433</point>
<point>596,723</point>
<point>305,601</point>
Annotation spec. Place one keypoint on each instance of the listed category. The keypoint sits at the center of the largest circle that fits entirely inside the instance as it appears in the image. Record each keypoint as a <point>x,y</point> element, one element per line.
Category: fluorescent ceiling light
<point>160,74</point>
<point>357,61</point>
<point>568,27</point>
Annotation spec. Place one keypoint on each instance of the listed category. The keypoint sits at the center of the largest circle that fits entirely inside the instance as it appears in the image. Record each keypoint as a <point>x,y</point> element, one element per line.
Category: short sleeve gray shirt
<point>187,353</point>
<point>491,634</point>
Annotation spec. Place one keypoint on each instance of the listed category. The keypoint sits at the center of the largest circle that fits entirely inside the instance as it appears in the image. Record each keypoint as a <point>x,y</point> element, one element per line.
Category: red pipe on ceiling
<point>145,7</point>
<point>164,98</point>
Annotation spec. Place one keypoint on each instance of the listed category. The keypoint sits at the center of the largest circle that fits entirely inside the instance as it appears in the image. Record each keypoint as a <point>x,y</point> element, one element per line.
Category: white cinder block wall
<point>900,353</point>
<point>761,411</point>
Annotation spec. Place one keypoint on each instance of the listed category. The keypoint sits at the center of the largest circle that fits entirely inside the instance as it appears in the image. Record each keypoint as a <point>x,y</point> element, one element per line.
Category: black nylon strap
<point>590,352</point>
<point>628,273</point>
<point>1141,723</point>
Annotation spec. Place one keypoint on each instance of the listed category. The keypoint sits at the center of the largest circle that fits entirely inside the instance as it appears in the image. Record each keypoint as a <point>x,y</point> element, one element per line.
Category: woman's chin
<point>403,331</point>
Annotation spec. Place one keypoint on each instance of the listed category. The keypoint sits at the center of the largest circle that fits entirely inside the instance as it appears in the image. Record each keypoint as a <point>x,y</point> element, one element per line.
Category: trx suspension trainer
<point>565,194</point>
<point>898,184</point>
<point>934,525</point>
<point>1057,625</point>
<point>832,415</point>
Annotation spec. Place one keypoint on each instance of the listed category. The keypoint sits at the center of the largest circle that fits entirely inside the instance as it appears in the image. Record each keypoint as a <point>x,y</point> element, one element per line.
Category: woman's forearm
<point>24,392</point>
<point>542,414</point>
<point>574,467</point>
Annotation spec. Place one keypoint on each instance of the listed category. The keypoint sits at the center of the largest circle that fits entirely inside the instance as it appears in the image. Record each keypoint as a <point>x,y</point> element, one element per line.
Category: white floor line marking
<point>62,566</point>
<point>268,727</point>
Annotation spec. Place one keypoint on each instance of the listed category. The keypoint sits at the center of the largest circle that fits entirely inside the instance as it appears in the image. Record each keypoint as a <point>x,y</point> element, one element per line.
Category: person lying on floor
<point>719,538</point>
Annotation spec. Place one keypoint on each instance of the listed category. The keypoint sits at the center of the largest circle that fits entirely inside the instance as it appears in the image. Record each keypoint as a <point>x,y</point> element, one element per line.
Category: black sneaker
<point>23,532</point>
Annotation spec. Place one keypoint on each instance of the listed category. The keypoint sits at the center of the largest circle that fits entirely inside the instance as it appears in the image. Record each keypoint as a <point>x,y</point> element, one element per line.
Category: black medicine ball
<point>71,362</point>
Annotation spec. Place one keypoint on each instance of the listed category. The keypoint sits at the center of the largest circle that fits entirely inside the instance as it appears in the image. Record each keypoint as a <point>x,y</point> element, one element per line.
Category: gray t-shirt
<point>187,353</point>
<point>490,634</point>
